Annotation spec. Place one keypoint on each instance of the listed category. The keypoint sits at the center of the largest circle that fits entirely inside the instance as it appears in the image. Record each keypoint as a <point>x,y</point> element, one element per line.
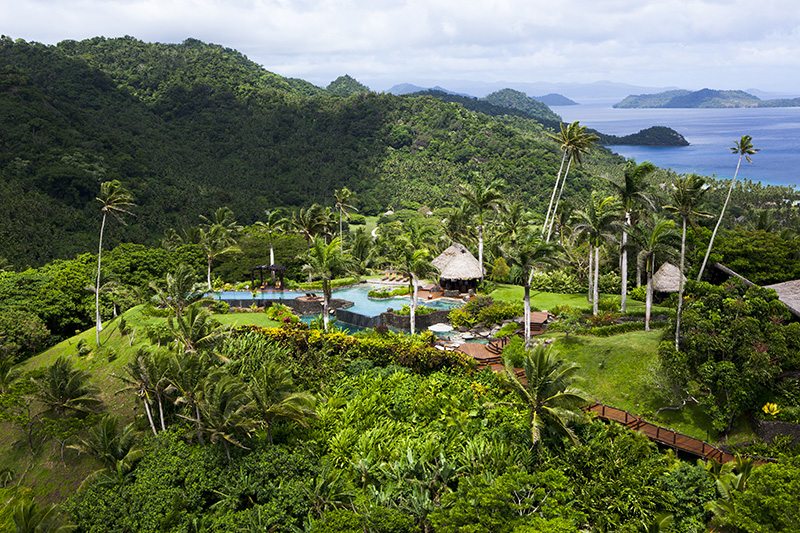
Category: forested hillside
<point>194,126</point>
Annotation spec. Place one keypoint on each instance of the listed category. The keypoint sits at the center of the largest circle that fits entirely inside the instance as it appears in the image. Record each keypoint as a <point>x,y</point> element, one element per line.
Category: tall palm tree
<point>326,261</point>
<point>598,223</point>
<point>344,206</point>
<point>64,389</point>
<point>744,149</point>
<point>631,192</point>
<point>481,198</point>
<point>275,221</point>
<point>218,237</point>
<point>275,398</point>
<point>458,227</point>
<point>575,141</point>
<point>526,256</point>
<point>116,201</point>
<point>224,409</point>
<point>655,240</point>
<point>514,223</point>
<point>139,378</point>
<point>685,196</point>
<point>414,263</point>
<point>548,392</point>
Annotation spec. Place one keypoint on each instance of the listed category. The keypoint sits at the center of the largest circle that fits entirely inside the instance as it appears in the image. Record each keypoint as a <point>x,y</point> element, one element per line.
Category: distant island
<point>704,98</point>
<point>555,99</point>
<point>652,136</point>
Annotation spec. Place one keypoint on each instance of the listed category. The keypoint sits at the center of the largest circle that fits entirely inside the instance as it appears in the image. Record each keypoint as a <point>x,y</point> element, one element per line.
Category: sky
<point>727,44</point>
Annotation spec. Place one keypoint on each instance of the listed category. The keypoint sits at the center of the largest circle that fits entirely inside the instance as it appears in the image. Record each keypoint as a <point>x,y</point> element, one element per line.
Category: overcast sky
<point>692,44</point>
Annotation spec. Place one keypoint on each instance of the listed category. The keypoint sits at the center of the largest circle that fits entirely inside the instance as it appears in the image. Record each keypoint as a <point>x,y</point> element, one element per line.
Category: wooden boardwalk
<point>490,356</point>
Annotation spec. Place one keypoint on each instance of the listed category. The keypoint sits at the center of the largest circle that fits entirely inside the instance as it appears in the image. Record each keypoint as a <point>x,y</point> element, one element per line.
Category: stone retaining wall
<point>423,321</point>
<point>768,430</point>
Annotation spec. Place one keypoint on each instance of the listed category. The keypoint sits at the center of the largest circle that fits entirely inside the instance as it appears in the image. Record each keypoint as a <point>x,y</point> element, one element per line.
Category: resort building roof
<point>789,294</point>
<point>457,263</point>
<point>667,278</point>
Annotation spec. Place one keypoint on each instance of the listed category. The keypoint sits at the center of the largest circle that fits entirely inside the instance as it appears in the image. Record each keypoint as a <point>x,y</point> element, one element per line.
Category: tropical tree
<point>415,264</point>
<point>116,201</point>
<point>525,257</point>
<point>575,140</point>
<point>224,410</point>
<point>481,198</point>
<point>655,240</point>
<point>514,223</point>
<point>685,196</point>
<point>187,375</point>
<point>179,291</point>
<point>139,378</point>
<point>632,193</point>
<point>29,517</point>
<point>275,221</point>
<point>744,149</point>
<point>196,330</point>
<point>598,223</point>
<point>9,372</point>
<point>344,206</point>
<point>64,389</point>
<point>548,392</point>
<point>275,398</point>
<point>457,225</point>
<point>109,442</point>
<point>326,261</point>
<point>218,237</point>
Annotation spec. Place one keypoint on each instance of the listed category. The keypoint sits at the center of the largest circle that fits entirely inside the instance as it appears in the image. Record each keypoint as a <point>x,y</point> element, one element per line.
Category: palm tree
<point>108,442</point>
<point>575,140</point>
<point>514,223</point>
<point>218,237</point>
<point>414,263</point>
<point>481,198</point>
<point>9,373</point>
<point>598,223</point>
<point>744,149</point>
<point>654,240</point>
<point>140,380</point>
<point>631,193</point>
<point>326,261</point>
<point>686,195</point>
<point>196,330</point>
<point>224,408</point>
<point>179,291</point>
<point>187,375</point>
<point>64,389</point>
<point>274,223</point>
<point>275,398</point>
<point>458,227</point>
<point>548,392</point>
<point>29,517</point>
<point>526,256</point>
<point>116,201</point>
<point>344,199</point>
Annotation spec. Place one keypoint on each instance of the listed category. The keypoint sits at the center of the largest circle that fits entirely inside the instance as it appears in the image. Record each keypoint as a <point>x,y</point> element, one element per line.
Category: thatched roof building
<point>667,278</point>
<point>458,268</point>
<point>789,294</point>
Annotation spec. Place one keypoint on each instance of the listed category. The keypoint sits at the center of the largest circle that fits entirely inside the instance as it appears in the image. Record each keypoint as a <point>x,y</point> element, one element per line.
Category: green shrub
<point>610,283</point>
<point>604,318</point>
<point>219,307</point>
<point>22,334</point>
<point>83,348</point>
<point>609,304</point>
<point>500,270</point>
<point>556,281</point>
<point>625,327</point>
<point>514,352</point>
<point>389,293</point>
<point>356,219</point>
<point>461,318</point>
<point>282,313</point>
<point>498,312</point>
<point>339,282</point>
<point>638,293</point>
<point>421,310</point>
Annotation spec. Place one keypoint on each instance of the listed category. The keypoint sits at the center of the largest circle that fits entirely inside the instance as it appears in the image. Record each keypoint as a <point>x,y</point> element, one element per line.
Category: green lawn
<point>548,300</point>
<point>246,319</point>
<point>621,371</point>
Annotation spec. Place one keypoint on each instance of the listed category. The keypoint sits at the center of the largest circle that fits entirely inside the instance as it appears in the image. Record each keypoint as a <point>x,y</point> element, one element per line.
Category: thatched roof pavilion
<point>789,294</point>
<point>668,278</point>
<point>458,268</point>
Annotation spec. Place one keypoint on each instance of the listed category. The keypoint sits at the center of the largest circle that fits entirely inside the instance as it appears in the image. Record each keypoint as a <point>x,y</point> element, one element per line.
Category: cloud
<point>669,42</point>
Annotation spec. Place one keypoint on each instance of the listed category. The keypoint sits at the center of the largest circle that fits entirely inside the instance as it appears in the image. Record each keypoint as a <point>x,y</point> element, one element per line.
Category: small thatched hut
<point>458,269</point>
<point>789,294</point>
<point>667,278</point>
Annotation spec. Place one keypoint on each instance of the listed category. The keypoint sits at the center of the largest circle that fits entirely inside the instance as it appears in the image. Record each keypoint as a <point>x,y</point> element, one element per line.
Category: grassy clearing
<point>548,300</point>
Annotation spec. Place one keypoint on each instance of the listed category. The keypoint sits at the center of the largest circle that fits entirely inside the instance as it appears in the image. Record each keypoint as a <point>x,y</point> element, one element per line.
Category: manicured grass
<point>246,319</point>
<point>621,371</point>
<point>372,223</point>
<point>548,300</point>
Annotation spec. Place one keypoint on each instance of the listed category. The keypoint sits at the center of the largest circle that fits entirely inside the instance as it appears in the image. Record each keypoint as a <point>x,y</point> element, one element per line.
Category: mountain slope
<point>522,102</point>
<point>555,99</point>
<point>704,98</point>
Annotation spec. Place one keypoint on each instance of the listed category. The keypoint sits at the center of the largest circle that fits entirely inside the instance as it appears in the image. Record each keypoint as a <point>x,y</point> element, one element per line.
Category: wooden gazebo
<point>274,270</point>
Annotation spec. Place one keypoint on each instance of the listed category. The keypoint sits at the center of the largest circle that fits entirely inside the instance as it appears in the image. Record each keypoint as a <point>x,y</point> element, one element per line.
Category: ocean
<point>711,132</point>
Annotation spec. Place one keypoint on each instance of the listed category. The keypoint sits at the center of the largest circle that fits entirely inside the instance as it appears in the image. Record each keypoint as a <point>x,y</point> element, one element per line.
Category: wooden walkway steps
<point>489,358</point>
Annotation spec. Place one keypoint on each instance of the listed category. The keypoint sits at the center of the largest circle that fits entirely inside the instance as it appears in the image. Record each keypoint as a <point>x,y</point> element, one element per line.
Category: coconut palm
<point>575,140</point>
<point>109,442</point>
<point>515,222</point>
<point>548,392</point>
<point>224,409</point>
<point>632,194</point>
<point>744,149</point>
<point>481,198</point>
<point>525,257</point>
<point>116,201</point>
<point>326,261</point>
<point>415,264</point>
<point>655,240</point>
<point>29,517</point>
<point>598,223</point>
<point>9,372</point>
<point>344,199</point>
<point>275,398</point>
<point>139,377</point>
<point>685,196</point>
<point>187,375</point>
<point>275,221</point>
<point>218,237</point>
<point>196,330</point>
<point>179,290</point>
<point>457,226</point>
<point>64,389</point>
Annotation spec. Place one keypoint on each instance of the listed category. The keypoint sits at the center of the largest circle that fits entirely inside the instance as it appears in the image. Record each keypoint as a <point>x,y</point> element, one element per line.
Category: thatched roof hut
<point>789,294</point>
<point>667,278</point>
<point>458,268</point>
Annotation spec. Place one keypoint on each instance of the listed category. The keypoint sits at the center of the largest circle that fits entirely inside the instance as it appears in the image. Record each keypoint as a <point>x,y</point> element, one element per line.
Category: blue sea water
<point>711,132</point>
